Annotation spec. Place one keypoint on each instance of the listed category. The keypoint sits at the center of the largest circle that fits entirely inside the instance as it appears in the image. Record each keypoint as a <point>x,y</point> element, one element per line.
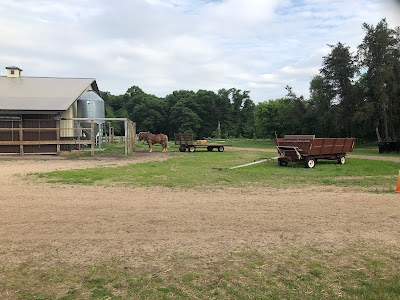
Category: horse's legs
<point>150,148</point>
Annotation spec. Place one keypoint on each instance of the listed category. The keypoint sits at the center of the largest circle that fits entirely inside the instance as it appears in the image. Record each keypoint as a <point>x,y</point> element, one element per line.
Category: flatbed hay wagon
<point>308,148</point>
<point>185,141</point>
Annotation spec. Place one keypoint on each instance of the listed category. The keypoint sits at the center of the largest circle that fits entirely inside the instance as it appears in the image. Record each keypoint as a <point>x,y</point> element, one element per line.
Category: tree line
<point>228,113</point>
<point>354,95</point>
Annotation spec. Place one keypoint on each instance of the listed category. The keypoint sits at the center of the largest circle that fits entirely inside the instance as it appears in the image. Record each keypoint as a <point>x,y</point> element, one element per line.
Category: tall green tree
<point>321,109</point>
<point>150,114</point>
<point>183,116</point>
<point>339,68</point>
<point>295,112</point>
<point>114,108</point>
<point>224,113</point>
<point>267,118</point>
<point>364,117</point>
<point>207,112</point>
<point>239,109</point>
<point>248,118</point>
<point>379,53</point>
<point>148,111</point>
<point>281,116</point>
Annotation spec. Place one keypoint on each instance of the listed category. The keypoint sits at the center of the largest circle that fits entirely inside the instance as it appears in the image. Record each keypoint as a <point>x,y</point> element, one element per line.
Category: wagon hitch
<point>248,164</point>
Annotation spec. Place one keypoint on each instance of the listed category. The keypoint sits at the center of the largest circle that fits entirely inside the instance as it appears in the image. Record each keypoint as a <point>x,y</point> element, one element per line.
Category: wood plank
<point>299,137</point>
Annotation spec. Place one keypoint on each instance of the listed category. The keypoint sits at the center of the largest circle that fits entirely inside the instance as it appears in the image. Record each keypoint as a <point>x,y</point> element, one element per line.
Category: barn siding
<point>29,121</point>
<point>71,112</point>
<point>42,121</point>
<point>39,121</point>
<point>9,136</point>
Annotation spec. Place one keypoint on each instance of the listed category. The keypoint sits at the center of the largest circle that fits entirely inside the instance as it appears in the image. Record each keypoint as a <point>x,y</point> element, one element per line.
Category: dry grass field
<point>52,224</point>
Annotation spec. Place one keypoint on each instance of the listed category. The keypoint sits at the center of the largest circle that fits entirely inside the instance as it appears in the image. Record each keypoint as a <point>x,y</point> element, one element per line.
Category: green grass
<point>374,152</point>
<point>307,273</point>
<point>199,169</point>
<point>252,143</point>
<point>119,148</point>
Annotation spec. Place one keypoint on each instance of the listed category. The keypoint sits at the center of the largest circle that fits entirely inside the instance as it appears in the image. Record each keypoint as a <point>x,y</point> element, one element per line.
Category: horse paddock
<point>51,223</point>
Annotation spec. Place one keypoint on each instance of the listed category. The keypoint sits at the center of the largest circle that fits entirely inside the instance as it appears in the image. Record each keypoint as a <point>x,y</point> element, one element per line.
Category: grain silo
<point>91,105</point>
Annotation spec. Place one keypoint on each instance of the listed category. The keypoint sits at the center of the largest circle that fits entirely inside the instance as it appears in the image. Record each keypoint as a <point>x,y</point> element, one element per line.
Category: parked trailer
<point>185,141</point>
<point>308,148</point>
<point>386,147</point>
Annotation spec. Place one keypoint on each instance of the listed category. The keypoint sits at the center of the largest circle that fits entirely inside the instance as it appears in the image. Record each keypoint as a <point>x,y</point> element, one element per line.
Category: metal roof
<point>42,93</point>
<point>13,67</point>
<point>91,96</point>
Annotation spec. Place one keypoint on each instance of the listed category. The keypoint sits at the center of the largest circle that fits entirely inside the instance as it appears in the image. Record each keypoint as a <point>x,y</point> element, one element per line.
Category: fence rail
<point>58,141</point>
<point>38,136</point>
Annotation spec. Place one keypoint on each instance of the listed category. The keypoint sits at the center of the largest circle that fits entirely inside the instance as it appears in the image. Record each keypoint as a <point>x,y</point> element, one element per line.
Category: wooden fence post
<point>126,136</point>
<point>58,137</point>
<point>92,136</point>
<point>21,139</point>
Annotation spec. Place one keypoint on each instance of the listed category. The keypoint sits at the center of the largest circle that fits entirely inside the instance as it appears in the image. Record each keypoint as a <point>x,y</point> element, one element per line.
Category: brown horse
<point>154,139</point>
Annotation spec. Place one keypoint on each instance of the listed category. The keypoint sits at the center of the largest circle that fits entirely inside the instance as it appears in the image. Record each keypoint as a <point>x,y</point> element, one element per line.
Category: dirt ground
<point>87,224</point>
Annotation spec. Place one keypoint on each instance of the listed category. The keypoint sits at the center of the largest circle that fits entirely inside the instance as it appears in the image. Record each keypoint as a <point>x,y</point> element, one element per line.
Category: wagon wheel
<point>192,148</point>
<point>209,148</point>
<point>341,160</point>
<point>282,162</point>
<point>182,148</point>
<point>310,162</point>
<point>221,149</point>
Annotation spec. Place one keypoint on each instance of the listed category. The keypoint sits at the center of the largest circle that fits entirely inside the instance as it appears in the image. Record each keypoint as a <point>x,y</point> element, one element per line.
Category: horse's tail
<point>165,141</point>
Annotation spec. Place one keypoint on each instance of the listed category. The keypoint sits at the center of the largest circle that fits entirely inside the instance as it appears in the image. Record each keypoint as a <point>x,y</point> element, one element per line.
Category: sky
<point>163,46</point>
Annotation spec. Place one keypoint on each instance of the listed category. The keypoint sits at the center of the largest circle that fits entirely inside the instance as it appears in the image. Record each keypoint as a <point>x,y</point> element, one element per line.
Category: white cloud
<point>167,45</point>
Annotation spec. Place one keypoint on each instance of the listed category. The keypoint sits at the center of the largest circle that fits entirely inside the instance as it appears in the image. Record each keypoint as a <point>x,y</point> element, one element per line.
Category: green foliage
<point>252,143</point>
<point>380,54</point>
<point>339,68</point>
<point>152,114</point>
<point>229,113</point>
<point>207,112</point>
<point>281,116</point>
<point>270,117</point>
<point>322,114</point>
<point>184,117</point>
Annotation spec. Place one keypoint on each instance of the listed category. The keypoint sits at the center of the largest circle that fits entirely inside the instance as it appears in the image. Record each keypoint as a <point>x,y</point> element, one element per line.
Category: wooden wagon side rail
<point>183,138</point>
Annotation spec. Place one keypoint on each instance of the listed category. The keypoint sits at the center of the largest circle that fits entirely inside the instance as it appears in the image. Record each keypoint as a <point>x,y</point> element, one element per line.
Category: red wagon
<point>309,149</point>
